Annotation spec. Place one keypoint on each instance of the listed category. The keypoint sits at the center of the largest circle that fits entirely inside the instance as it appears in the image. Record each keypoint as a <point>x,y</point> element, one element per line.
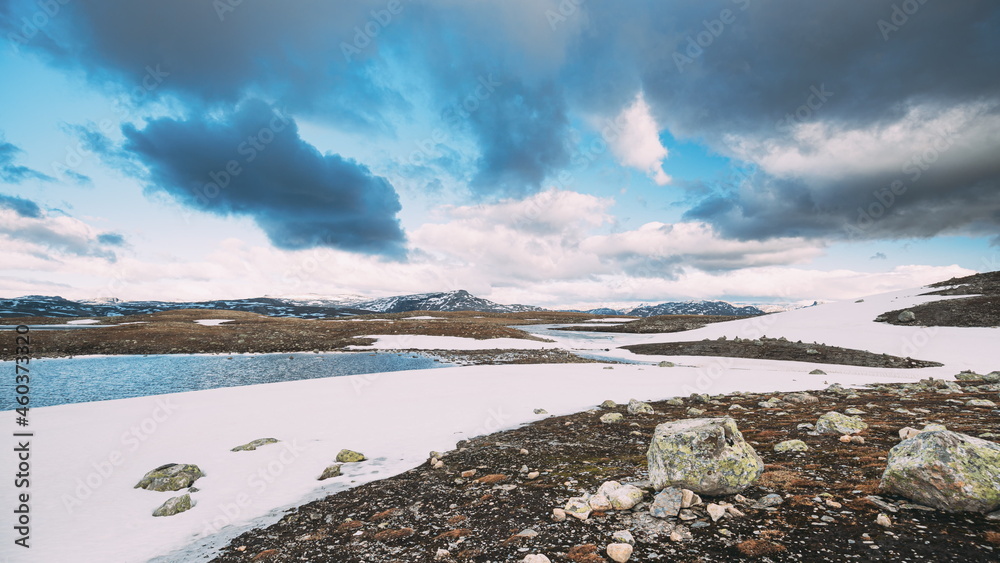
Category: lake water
<point>57,381</point>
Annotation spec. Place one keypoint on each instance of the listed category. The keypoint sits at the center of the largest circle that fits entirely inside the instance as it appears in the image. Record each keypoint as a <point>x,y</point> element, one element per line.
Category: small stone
<point>558,515</point>
<point>883,520</point>
<point>173,506</point>
<point>833,504</point>
<point>623,536</point>
<point>350,456</point>
<point>526,533</point>
<point>695,411</point>
<point>665,364</point>
<point>523,451</point>
<point>578,507</point>
<point>857,439</point>
<point>612,418</point>
<point>532,476</point>
<point>541,411</point>
<point>839,424</point>
<point>817,372</point>
<point>686,514</point>
<point>535,558</point>
<point>619,552</point>
<point>715,511</point>
<point>599,503</point>
<point>438,464</point>
<point>609,404</point>
<point>639,407</point>
<point>251,446</point>
<point>906,317</point>
<point>980,403</point>
<point>812,352</point>
<point>854,411</point>
<point>625,497</point>
<point>442,554</point>
<point>170,477</point>
<point>733,511</point>
<point>676,536</point>
<point>666,503</point>
<point>791,446</point>
<point>770,500</point>
<point>687,498</point>
<point>845,438</point>
<point>468,473</point>
<point>330,472</point>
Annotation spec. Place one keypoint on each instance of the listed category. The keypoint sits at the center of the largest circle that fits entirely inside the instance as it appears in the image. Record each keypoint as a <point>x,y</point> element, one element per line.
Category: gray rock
<point>817,372</point>
<point>768,501</point>
<point>906,316</point>
<point>707,455</point>
<point>992,377</point>
<point>639,407</point>
<point>946,470</point>
<point>623,536</point>
<point>609,404</point>
<point>251,446</point>
<point>665,364</point>
<point>700,398</point>
<point>800,398</point>
<point>612,418</point>
<point>839,424</point>
<point>666,503</point>
<point>980,403</point>
<point>812,351</point>
<point>330,472</point>
<point>170,477</point>
<point>625,497</point>
<point>541,411</point>
<point>175,505</point>
<point>968,376</point>
<point>791,446</point>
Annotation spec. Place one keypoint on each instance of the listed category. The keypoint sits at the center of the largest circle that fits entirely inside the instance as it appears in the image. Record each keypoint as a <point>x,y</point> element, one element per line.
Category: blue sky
<point>561,154</point>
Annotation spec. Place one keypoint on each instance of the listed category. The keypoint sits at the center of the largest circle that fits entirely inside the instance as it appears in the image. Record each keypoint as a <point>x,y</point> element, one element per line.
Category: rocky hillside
<point>459,300</point>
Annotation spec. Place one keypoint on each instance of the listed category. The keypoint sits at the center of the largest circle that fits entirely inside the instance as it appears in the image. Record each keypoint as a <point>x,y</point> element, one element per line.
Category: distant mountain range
<point>317,307</point>
<point>682,308</point>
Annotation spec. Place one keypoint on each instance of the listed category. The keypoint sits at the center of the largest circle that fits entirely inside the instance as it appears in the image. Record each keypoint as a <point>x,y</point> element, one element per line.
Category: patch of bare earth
<point>825,515</point>
<point>982,310</point>
<point>779,349</point>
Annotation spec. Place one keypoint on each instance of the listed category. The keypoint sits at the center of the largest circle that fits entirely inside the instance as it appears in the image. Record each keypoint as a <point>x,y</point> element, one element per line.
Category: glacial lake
<point>58,381</point>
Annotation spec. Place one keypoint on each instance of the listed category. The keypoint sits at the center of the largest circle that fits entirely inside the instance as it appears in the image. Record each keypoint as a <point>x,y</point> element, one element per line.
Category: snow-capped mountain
<point>309,307</point>
<point>459,300</point>
<point>682,308</point>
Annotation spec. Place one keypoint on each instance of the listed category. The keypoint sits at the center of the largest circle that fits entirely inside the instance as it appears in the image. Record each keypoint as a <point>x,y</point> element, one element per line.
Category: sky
<point>566,154</point>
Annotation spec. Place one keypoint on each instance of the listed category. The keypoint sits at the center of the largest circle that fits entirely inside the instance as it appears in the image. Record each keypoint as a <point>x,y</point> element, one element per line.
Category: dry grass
<point>757,548</point>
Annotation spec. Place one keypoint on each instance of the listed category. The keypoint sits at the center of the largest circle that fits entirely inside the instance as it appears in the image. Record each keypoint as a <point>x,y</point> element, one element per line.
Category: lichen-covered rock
<point>791,446</point>
<point>968,376</point>
<point>839,424</point>
<point>251,446</point>
<point>700,398</point>
<point>817,372</point>
<point>665,364</point>
<point>945,470</point>
<point>625,497</point>
<point>707,455</point>
<point>992,377</point>
<point>639,407</point>
<point>350,456</point>
<point>980,403</point>
<point>612,418</point>
<point>906,317</point>
<point>578,507</point>
<point>609,404</point>
<point>174,505</point>
<point>330,472</point>
<point>800,398</point>
<point>170,477</point>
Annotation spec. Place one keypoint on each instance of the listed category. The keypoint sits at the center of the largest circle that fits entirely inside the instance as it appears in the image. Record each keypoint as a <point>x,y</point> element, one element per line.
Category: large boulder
<point>839,424</point>
<point>707,455</point>
<point>170,477</point>
<point>946,470</point>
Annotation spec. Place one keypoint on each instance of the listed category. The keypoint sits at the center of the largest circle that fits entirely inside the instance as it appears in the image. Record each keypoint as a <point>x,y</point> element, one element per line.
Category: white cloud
<point>637,143</point>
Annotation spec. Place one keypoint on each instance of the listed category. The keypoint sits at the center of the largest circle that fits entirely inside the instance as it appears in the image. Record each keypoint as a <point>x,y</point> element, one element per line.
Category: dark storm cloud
<point>21,206</point>
<point>253,163</point>
<point>13,173</point>
<point>712,71</point>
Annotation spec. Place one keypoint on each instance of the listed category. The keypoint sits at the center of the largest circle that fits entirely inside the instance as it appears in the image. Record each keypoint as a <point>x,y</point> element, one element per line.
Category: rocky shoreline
<point>510,496</point>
